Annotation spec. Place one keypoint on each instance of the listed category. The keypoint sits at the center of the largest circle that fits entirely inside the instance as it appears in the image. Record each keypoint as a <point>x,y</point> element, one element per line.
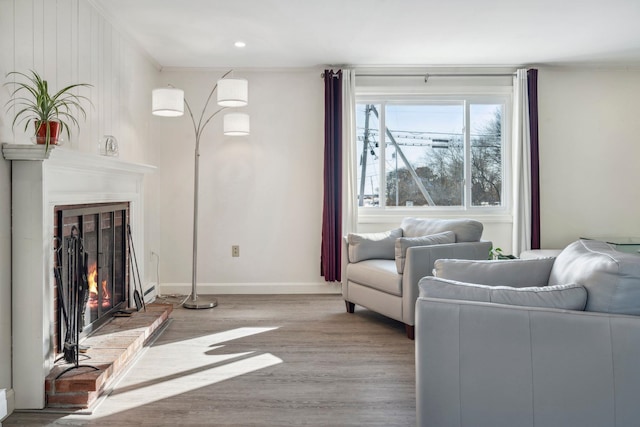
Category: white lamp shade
<point>236,124</point>
<point>167,102</point>
<point>233,92</point>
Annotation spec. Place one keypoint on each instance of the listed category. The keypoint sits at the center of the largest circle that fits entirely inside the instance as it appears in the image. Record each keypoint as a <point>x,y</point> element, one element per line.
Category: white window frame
<point>468,95</point>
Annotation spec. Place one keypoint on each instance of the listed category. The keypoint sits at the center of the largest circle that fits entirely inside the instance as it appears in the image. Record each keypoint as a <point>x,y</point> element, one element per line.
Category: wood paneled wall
<point>70,41</point>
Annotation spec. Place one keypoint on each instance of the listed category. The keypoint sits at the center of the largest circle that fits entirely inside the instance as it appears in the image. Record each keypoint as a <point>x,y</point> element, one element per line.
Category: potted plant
<point>50,114</point>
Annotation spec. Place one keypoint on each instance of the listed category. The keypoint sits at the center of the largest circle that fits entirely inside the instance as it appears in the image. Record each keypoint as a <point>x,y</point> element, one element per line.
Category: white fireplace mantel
<point>39,182</point>
<point>71,158</point>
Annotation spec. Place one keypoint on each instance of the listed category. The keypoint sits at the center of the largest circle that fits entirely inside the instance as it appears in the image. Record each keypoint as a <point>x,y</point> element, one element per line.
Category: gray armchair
<point>381,270</point>
<point>556,343</point>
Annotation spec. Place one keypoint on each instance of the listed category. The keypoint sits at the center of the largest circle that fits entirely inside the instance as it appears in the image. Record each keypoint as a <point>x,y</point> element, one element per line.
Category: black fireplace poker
<point>74,298</point>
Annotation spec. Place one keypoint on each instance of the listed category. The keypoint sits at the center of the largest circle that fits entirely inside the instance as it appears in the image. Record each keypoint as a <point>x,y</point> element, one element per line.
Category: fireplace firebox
<point>102,230</point>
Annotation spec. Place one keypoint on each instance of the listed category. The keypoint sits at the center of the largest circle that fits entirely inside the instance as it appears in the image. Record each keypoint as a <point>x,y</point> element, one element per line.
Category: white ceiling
<point>307,33</point>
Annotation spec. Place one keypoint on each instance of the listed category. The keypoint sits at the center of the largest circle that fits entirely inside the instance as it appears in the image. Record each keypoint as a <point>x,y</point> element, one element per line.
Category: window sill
<point>378,216</point>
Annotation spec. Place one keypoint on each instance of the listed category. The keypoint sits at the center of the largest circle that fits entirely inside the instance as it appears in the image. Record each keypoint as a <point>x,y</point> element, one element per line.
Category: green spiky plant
<point>34,104</point>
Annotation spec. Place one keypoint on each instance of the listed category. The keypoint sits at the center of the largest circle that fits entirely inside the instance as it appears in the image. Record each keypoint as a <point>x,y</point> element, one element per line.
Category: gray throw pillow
<point>567,297</point>
<point>373,245</point>
<point>403,243</point>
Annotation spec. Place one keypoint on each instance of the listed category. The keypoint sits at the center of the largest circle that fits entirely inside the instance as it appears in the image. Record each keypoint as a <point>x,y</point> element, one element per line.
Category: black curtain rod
<point>440,75</point>
<point>427,75</point>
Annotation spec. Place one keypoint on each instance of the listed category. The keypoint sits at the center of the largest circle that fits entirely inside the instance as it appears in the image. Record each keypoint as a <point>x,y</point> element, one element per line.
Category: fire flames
<point>92,278</point>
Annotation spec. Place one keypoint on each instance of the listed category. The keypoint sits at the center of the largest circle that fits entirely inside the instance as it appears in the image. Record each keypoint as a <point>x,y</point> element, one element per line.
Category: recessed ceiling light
<point>239,44</point>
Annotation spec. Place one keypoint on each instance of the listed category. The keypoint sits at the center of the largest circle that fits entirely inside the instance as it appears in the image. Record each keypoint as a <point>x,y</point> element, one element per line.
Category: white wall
<point>262,192</point>
<point>589,153</point>
<point>68,41</point>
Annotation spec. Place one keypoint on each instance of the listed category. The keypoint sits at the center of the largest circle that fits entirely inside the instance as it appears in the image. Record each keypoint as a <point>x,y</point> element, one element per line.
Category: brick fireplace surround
<point>38,184</point>
<point>111,350</point>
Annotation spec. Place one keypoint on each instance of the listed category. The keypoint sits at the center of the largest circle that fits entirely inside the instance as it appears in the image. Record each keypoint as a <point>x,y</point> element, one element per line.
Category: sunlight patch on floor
<point>147,394</point>
<point>187,365</point>
<point>220,337</point>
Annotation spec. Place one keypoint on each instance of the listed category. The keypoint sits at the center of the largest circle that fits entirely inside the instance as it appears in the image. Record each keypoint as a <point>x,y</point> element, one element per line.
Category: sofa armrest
<point>419,263</point>
<point>486,364</point>
<point>517,273</point>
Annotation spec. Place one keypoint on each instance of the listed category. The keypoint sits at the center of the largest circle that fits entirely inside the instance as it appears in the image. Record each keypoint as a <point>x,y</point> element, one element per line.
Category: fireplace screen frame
<point>87,213</point>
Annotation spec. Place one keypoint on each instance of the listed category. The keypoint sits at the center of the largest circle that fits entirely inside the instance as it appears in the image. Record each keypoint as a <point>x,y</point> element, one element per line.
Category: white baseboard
<point>7,403</point>
<point>251,288</point>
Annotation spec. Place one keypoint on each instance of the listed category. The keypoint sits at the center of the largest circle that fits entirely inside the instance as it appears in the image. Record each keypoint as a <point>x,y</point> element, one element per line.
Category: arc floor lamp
<point>170,102</point>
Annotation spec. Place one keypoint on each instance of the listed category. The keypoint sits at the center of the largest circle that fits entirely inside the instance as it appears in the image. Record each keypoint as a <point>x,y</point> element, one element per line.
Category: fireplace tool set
<point>73,294</point>
<point>137,283</point>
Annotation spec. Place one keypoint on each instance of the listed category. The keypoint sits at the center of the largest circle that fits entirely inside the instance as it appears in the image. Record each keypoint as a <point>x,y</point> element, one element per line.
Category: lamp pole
<point>171,103</point>
<point>195,301</point>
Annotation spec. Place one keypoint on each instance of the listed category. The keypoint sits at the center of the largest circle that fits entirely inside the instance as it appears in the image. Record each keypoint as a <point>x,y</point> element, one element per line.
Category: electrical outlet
<point>235,251</point>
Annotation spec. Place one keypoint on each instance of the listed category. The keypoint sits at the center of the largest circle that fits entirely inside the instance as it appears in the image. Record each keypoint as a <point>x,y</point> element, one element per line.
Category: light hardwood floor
<point>263,360</point>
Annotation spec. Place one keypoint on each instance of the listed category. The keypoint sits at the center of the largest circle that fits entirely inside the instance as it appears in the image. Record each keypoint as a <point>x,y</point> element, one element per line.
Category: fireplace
<point>101,231</point>
<point>40,182</point>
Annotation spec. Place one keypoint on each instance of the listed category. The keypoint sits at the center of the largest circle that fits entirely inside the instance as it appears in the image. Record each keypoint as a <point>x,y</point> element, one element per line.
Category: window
<point>431,153</point>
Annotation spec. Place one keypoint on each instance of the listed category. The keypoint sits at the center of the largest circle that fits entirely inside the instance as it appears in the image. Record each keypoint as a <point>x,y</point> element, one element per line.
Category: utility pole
<point>412,171</point>
<point>365,152</point>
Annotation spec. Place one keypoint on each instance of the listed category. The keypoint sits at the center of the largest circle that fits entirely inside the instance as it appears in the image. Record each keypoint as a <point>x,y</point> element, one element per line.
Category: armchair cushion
<point>466,230</point>
<point>515,273</point>
<point>373,245</point>
<point>379,274</point>
<point>403,243</point>
<point>568,297</point>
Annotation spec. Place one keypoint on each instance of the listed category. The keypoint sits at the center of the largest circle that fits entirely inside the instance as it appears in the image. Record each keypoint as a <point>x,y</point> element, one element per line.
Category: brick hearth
<point>111,349</point>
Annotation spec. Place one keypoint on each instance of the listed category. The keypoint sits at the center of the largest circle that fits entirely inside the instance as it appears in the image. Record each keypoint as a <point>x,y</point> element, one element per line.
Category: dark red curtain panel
<point>532,89</point>
<point>332,206</point>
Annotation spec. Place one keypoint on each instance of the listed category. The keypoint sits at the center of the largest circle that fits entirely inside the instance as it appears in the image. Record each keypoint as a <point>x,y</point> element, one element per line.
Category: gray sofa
<point>381,270</point>
<point>556,343</point>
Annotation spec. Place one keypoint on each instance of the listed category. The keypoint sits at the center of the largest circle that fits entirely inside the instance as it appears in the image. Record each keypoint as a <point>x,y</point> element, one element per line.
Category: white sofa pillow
<point>373,245</point>
<point>611,277</point>
<point>403,243</point>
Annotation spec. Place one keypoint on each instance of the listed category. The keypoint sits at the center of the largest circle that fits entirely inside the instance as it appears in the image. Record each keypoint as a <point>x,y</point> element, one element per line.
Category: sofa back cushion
<point>612,278</point>
<point>404,243</point>
<point>373,245</point>
<point>567,297</point>
<point>517,273</point>
<point>467,230</point>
